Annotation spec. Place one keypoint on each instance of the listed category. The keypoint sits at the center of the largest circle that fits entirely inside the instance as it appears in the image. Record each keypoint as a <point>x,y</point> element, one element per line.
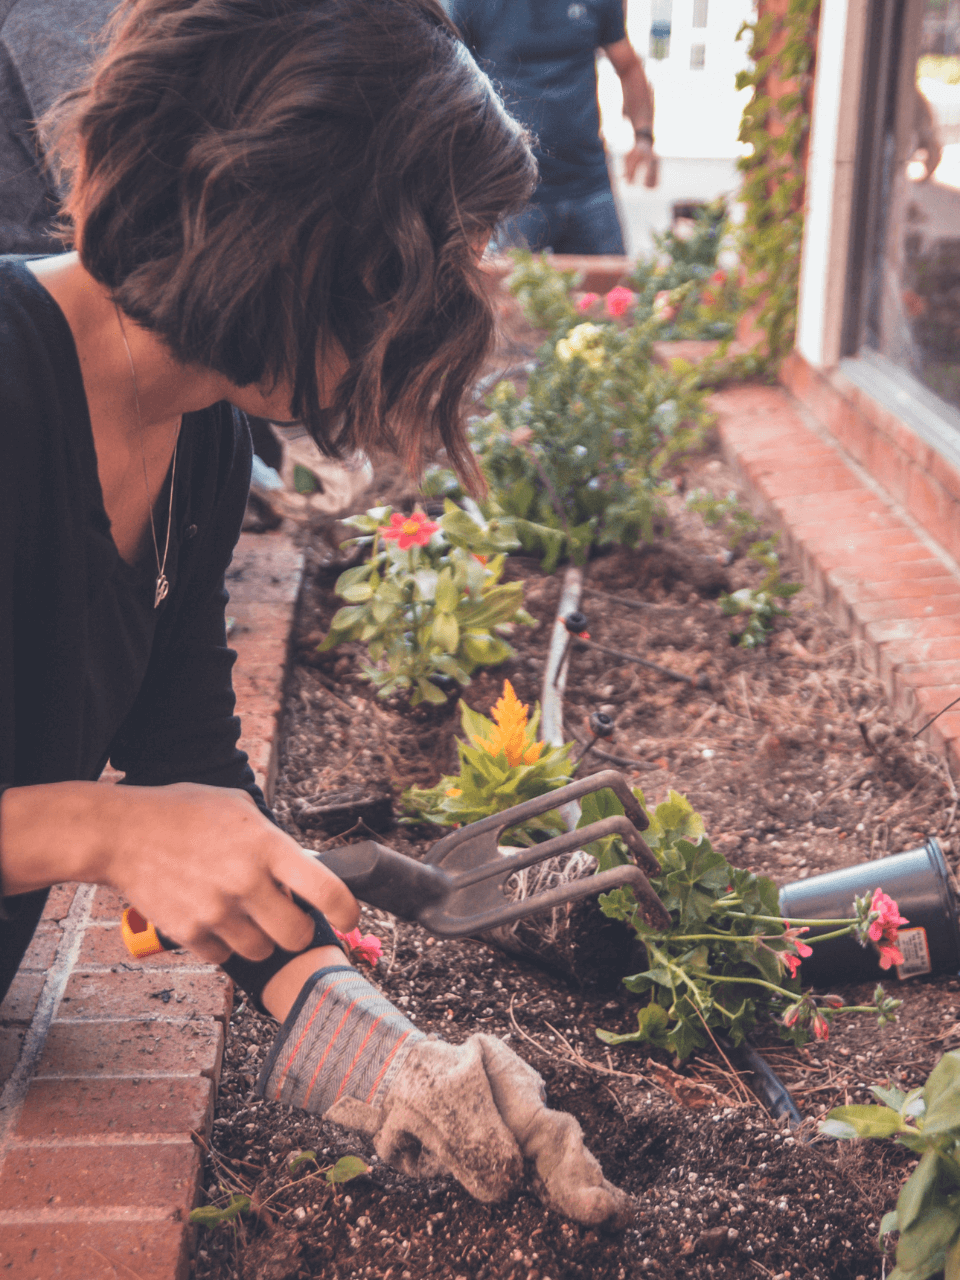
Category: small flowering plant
<point>428,602</point>
<point>729,959</point>
<point>927,1121</point>
<point>361,946</point>
<point>505,765</point>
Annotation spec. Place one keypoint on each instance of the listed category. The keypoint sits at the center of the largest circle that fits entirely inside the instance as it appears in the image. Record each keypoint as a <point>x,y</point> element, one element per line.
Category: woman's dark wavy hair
<point>252,178</point>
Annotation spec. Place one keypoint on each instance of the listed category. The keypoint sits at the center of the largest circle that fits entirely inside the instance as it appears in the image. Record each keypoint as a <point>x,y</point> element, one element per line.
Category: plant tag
<point>916,953</point>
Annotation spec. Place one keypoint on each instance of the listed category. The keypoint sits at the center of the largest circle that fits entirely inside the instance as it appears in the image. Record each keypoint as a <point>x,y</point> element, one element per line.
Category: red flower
<point>889,955</point>
<point>366,947</point>
<point>410,531</point>
<point>821,1027</point>
<point>792,1014</point>
<point>888,920</point>
<point>587,301</point>
<point>789,962</point>
<point>619,301</point>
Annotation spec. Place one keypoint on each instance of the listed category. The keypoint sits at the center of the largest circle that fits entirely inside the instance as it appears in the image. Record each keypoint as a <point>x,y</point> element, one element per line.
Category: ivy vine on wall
<point>776,124</point>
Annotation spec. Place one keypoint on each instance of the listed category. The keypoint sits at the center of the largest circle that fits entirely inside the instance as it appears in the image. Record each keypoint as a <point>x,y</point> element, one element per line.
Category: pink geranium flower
<point>587,301</point>
<point>889,955</point>
<point>821,1027</point>
<point>414,530</point>
<point>888,919</point>
<point>619,301</point>
<point>789,962</point>
<point>367,946</point>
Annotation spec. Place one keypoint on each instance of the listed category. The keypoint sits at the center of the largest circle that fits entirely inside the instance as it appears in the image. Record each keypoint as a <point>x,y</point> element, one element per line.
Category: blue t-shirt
<point>542,55</point>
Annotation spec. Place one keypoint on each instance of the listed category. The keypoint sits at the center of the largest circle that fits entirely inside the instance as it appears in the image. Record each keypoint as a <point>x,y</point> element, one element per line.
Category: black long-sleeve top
<point>89,671</point>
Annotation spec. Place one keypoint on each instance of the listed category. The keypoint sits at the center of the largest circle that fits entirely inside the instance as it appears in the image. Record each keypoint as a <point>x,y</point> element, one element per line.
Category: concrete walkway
<point>110,1066</point>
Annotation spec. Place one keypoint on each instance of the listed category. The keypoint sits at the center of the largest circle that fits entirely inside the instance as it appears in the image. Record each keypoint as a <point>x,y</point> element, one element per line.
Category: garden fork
<point>461,888</point>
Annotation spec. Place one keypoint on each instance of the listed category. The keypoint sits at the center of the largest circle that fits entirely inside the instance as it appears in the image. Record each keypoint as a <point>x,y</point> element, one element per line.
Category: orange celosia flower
<point>510,735</point>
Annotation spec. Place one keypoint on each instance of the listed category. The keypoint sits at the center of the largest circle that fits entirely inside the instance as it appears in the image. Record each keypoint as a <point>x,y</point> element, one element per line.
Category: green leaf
<point>303,1157</point>
<point>894,1098</point>
<point>447,593</point>
<point>357,592</point>
<point>867,1121</point>
<point>837,1129</point>
<point>889,1222</point>
<point>346,1168</point>
<point>918,1189</point>
<point>446,632</point>
<point>210,1216</point>
<point>429,692</point>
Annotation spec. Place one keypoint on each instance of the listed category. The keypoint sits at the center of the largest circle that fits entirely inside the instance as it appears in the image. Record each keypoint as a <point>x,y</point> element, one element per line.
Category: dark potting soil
<point>798,765</point>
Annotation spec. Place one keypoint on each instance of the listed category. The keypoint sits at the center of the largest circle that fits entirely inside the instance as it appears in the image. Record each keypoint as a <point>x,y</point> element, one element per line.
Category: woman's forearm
<point>50,833</point>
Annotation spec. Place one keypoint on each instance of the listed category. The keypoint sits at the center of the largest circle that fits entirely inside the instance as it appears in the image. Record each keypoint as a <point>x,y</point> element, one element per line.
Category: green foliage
<point>488,783</point>
<point>738,521</point>
<point>776,128</point>
<point>759,604</point>
<point>708,306</point>
<point>208,1215</point>
<point>429,610</point>
<point>345,1170</point>
<point>581,459</point>
<point>723,963</point>
<point>927,1121</point>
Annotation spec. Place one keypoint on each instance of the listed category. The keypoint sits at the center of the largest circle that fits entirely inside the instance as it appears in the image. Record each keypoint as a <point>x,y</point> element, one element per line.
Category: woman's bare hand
<point>202,863</point>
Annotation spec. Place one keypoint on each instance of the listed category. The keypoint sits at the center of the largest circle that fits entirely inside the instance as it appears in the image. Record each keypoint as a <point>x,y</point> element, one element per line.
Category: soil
<point>798,765</point>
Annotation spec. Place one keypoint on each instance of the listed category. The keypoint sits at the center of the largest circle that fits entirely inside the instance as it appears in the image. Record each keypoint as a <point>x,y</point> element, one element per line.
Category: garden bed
<point>797,765</point>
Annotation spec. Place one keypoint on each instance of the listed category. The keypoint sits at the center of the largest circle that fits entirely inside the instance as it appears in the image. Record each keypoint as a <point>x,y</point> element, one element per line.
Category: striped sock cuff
<point>342,1038</point>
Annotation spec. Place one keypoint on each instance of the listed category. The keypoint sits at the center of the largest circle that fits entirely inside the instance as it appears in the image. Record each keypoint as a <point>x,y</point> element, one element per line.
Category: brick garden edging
<point>108,1066</point>
<point>879,572</point>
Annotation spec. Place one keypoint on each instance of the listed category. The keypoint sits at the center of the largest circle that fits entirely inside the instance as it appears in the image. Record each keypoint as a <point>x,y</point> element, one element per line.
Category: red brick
<point>930,675</point>
<point>107,904</point>
<point>263,761</point>
<point>11,1038</point>
<point>257,726</point>
<point>261,631</point>
<point>942,605</point>
<point>78,1250</point>
<point>59,901</point>
<point>266,568</point>
<point>104,945</point>
<point>906,630</point>
<point>134,1048</point>
<point>132,994</point>
<point>907,587</point>
<point>65,1109</point>
<point>42,950</point>
<point>692,350</point>
<point>21,999</point>
<point>151,1175</point>
<point>826,480</point>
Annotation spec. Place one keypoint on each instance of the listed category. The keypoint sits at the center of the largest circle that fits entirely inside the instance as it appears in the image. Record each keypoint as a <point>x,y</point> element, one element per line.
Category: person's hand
<point>211,872</point>
<point>642,153</point>
<point>475,1110</point>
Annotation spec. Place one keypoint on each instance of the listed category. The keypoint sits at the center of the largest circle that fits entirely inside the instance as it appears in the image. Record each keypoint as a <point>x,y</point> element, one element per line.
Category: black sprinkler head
<point>601,725</point>
<point>576,622</point>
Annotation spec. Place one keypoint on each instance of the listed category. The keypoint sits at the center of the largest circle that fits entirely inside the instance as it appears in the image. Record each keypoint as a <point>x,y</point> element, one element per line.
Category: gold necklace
<point>162,585</point>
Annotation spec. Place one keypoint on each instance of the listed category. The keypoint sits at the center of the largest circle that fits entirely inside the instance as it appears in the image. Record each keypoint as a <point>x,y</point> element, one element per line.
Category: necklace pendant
<point>162,590</point>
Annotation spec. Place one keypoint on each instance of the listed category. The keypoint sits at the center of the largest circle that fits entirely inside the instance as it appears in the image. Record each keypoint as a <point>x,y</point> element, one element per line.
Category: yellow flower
<point>511,733</point>
<point>583,341</point>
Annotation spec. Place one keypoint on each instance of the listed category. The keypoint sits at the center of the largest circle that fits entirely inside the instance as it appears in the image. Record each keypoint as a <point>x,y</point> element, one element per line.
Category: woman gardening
<point>277,207</point>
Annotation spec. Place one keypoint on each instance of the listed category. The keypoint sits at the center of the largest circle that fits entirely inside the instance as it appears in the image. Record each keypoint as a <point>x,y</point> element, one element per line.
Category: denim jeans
<point>584,224</point>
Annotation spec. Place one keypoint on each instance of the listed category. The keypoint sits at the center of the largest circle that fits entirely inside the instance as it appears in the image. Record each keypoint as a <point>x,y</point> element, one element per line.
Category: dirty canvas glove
<point>475,1110</point>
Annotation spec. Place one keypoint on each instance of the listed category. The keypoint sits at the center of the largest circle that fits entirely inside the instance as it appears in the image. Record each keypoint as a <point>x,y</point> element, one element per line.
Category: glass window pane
<point>913,315</point>
<point>700,13</point>
<point>698,57</point>
<point>661,14</point>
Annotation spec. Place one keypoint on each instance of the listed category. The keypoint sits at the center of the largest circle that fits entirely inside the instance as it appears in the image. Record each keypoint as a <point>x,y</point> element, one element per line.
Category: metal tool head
<point>462,887</point>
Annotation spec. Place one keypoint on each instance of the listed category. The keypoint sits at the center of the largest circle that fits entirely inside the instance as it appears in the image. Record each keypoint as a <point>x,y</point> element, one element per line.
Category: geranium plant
<point>926,1120</point>
<point>729,957</point>
<point>429,600</point>
<point>505,765</point>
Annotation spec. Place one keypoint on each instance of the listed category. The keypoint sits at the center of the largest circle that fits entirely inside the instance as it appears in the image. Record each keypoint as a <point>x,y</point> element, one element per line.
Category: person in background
<point>277,207</point>
<point>542,56</point>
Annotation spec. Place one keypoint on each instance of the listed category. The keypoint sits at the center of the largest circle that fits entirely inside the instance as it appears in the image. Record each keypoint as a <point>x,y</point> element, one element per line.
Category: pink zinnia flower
<point>366,947</point>
<point>414,530</point>
<point>587,301</point>
<point>619,301</point>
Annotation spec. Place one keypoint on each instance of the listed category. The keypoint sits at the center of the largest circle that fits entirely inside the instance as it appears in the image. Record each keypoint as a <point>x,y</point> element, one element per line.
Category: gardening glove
<point>474,1110</point>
